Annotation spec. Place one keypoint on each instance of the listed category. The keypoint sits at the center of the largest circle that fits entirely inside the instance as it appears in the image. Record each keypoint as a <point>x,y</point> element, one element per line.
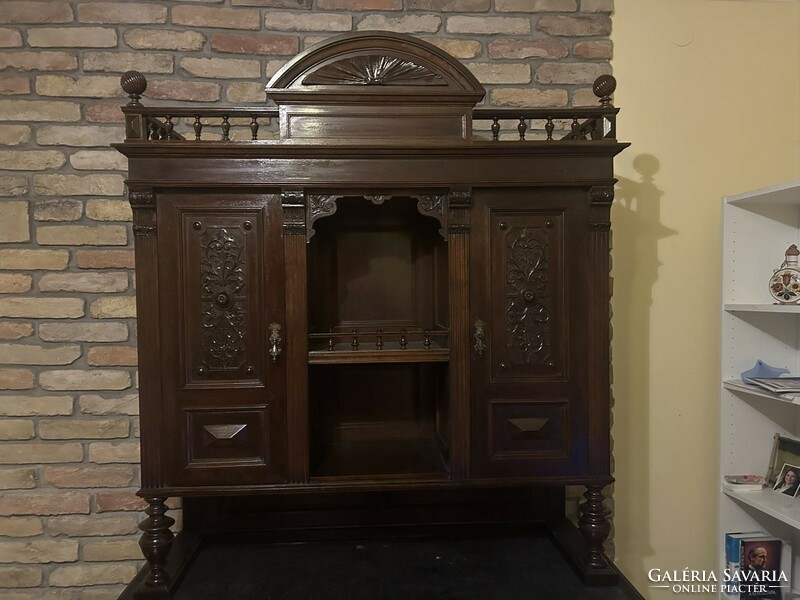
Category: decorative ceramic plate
<point>785,285</point>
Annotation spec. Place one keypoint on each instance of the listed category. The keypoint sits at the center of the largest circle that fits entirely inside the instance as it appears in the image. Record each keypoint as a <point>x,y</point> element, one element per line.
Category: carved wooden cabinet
<point>390,298</point>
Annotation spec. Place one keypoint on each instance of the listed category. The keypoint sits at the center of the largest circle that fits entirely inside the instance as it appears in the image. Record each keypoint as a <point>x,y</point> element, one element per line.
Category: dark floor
<point>507,568</point>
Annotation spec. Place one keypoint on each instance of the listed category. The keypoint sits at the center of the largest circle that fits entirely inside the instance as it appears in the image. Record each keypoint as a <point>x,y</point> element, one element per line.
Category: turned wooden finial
<point>603,87</point>
<point>134,84</point>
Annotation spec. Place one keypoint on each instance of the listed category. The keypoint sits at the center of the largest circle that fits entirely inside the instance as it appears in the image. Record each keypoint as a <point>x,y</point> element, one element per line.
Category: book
<point>744,483</point>
<point>779,385</point>
<point>732,550</point>
<point>764,568</point>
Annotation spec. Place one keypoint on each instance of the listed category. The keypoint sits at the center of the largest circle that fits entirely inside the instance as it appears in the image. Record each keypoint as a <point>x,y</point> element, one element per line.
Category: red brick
<point>360,4</point>
<point>593,49</point>
<point>112,356</point>
<point>121,12</point>
<point>105,259</point>
<point>192,91</point>
<point>39,61</point>
<point>303,4</point>
<point>114,501</point>
<point>14,85</point>
<point>105,113</point>
<point>88,477</point>
<point>44,502</point>
<point>16,379</point>
<point>546,48</point>
<point>449,5</point>
<point>206,16</point>
<point>251,43</point>
<point>35,12</point>
<point>575,26</point>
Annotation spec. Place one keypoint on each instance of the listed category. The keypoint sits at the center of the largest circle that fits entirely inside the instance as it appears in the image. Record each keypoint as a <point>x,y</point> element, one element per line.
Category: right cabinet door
<point>529,318</point>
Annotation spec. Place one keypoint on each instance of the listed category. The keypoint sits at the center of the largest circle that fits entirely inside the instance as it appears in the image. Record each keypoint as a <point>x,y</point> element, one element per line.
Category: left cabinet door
<point>221,280</point>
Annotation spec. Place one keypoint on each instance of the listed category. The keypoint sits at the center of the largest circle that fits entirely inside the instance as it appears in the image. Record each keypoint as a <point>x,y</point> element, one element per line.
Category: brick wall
<point>68,402</point>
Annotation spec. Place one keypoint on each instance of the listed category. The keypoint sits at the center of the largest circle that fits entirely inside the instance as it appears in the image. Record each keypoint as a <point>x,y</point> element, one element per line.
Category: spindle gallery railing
<point>378,339</point>
<point>541,124</point>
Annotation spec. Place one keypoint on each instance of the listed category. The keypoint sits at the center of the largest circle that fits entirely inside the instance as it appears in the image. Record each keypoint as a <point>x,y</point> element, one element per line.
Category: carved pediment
<point>388,88</point>
<point>376,60</point>
<point>374,69</point>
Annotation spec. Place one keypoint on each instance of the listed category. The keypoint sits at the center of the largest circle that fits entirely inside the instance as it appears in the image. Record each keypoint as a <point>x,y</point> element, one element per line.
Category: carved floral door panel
<point>222,297</point>
<point>525,284</point>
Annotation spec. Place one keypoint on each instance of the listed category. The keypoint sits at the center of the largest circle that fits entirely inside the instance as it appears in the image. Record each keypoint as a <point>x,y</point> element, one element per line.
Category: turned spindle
<point>403,339</point>
<point>254,127</point>
<point>495,128</point>
<point>379,339</point>
<point>354,343</point>
<point>522,128</point>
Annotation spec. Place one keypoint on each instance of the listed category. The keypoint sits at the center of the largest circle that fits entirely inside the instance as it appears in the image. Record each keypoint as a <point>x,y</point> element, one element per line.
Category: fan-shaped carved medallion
<point>374,70</point>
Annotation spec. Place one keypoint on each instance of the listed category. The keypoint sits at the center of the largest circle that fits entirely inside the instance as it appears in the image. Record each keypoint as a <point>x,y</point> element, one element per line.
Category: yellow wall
<point>710,97</point>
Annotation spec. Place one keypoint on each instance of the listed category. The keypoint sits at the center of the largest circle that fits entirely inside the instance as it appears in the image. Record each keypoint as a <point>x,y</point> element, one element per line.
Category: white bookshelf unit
<point>758,228</point>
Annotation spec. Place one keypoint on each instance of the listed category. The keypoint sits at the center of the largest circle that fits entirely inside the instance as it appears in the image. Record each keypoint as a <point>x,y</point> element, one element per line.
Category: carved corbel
<point>459,201</point>
<point>317,207</point>
<point>435,206</point>
<point>143,203</point>
<point>293,203</point>
<point>600,199</point>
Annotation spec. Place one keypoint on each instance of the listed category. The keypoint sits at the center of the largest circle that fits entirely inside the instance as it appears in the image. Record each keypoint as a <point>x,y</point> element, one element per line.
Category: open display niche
<point>378,340</point>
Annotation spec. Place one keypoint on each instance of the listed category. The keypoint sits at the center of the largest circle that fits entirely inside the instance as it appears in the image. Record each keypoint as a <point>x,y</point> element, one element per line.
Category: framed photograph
<point>785,451</point>
<point>788,480</point>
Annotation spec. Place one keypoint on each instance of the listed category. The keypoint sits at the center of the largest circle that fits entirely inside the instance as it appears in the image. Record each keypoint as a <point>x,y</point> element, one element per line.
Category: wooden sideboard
<point>382,311</point>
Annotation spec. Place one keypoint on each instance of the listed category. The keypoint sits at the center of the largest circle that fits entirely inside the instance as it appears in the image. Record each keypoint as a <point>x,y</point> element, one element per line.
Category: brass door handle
<point>275,341</point>
<point>479,335</point>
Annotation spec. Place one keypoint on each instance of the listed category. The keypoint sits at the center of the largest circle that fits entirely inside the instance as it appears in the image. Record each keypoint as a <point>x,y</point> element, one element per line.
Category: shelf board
<point>344,354</point>
<point>777,505</point>
<point>785,193</point>
<point>418,457</point>
<point>736,385</point>
<point>773,308</point>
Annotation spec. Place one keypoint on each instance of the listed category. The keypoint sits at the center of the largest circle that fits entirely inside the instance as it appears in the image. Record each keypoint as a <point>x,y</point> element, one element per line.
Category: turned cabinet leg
<point>594,525</point>
<point>156,540</point>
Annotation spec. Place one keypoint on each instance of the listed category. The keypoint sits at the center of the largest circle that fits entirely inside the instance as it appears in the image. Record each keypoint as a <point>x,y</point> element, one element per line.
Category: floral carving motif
<point>373,70</point>
<point>527,304</point>
<point>223,303</point>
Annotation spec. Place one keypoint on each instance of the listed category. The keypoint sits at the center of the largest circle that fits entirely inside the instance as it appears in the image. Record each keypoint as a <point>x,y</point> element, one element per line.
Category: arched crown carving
<point>339,90</point>
<point>375,59</point>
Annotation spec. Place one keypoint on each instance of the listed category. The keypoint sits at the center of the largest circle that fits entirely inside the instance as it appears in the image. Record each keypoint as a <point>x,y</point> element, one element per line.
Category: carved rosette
<point>601,194</point>
<point>374,70</point>
<point>378,199</point>
<point>527,298</point>
<point>293,203</point>
<point>223,304</point>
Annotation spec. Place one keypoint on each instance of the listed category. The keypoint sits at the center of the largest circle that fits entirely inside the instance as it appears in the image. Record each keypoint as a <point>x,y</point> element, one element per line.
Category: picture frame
<point>788,480</point>
<point>785,451</point>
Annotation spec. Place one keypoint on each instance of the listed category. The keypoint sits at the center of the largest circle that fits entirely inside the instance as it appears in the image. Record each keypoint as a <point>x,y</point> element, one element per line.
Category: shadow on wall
<point>637,231</point>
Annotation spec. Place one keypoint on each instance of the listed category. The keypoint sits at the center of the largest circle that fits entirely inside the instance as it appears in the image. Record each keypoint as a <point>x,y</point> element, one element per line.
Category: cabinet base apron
<point>463,514</point>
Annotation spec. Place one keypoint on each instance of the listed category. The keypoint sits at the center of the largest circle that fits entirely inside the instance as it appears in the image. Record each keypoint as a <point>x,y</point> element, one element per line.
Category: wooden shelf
<point>418,456</point>
<point>757,307</point>
<point>415,352</point>
<point>777,505</point>
<point>785,193</point>
<point>737,386</point>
